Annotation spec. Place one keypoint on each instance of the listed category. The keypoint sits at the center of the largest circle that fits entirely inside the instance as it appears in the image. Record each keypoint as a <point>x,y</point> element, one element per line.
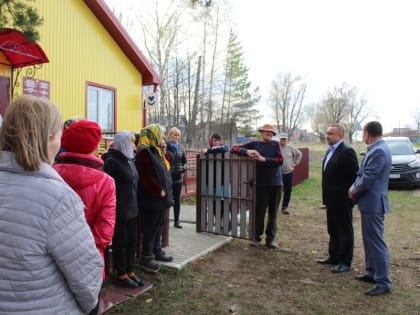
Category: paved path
<point>186,245</point>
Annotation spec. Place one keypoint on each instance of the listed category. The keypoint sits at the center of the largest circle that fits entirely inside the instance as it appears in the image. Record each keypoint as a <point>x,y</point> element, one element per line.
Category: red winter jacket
<point>84,173</point>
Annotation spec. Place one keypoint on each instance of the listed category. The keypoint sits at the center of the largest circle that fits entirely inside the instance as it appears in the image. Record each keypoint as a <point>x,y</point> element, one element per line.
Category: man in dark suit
<point>370,189</point>
<point>339,169</point>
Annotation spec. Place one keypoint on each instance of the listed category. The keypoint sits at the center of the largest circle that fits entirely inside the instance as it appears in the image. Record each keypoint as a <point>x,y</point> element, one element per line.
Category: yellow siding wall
<point>80,50</point>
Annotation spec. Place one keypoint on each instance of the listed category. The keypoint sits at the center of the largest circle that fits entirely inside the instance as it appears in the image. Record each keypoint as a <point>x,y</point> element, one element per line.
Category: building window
<point>101,106</point>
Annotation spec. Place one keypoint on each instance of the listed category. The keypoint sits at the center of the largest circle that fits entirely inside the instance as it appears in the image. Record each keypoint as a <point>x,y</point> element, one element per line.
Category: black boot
<point>149,264</point>
<point>161,256</point>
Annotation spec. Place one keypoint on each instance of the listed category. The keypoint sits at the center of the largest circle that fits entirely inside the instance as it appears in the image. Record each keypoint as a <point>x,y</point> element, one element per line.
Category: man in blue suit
<point>370,189</point>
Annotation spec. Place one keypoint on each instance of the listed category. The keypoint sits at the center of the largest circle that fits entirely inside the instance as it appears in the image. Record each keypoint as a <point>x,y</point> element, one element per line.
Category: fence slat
<point>227,194</point>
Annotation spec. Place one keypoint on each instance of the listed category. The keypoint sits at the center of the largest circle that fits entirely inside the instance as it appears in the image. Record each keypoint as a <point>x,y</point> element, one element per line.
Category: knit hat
<point>81,137</point>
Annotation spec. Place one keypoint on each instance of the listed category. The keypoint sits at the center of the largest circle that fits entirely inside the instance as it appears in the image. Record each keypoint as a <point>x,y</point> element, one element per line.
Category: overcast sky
<point>373,45</point>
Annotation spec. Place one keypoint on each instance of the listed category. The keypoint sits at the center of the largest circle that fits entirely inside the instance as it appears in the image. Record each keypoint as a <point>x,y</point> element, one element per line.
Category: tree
<point>238,99</point>
<point>21,16</point>
<point>358,112</point>
<point>160,32</point>
<point>286,99</point>
<point>340,105</point>
<point>205,84</point>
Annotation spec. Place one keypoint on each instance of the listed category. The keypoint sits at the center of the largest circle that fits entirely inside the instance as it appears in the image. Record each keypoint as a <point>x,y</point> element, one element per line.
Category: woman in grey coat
<point>49,262</point>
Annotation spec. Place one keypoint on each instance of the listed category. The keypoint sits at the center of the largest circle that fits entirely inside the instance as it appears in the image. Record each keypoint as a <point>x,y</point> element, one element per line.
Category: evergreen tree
<point>20,15</point>
<point>238,112</point>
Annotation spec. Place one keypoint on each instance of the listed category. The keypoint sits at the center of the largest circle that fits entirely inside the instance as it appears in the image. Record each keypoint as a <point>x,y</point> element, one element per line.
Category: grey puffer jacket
<point>49,263</point>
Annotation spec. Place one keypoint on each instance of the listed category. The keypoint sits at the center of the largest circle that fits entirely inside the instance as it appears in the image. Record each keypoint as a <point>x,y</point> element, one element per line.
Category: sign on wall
<point>36,87</point>
<point>150,100</point>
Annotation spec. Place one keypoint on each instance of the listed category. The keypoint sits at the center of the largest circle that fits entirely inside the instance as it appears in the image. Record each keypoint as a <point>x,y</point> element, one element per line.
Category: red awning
<point>19,51</point>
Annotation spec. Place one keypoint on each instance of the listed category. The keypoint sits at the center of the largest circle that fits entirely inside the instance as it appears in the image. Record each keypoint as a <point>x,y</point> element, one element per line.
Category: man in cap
<point>269,158</point>
<point>292,157</point>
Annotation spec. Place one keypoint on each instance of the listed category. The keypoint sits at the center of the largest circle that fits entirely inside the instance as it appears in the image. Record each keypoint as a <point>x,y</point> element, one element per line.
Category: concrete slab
<point>186,245</point>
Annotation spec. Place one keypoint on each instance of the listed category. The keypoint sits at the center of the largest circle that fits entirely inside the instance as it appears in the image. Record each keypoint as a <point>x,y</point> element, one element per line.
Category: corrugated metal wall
<point>80,50</point>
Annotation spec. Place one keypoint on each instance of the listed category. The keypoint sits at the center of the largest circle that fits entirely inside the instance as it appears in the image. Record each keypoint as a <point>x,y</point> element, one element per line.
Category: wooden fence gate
<point>226,195</point>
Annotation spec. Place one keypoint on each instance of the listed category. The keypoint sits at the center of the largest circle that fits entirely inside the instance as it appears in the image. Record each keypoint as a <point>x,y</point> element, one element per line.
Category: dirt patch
<point>239,279</point>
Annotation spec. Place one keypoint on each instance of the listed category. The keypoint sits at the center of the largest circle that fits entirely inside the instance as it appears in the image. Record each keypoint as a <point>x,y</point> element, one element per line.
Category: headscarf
<point>215,135</point>
<point>150,136</point>
<point>123,142</point>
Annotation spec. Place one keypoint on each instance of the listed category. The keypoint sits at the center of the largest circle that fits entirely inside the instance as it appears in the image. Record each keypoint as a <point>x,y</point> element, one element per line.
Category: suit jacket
<point>340,172</point>
<point>371,184</point>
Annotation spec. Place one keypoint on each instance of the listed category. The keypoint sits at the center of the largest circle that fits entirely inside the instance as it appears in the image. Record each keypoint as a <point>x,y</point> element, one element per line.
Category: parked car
<point>405,162</point>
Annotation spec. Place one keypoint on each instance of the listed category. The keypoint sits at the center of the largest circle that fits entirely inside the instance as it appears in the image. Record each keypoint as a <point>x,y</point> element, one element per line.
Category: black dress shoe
<point>177,225</point>
<point>126,283</point>
<point>327,261</point>
<point>137,280</point>
<point>365,278</point>
<point>374,291</point>
<point>340,268</point>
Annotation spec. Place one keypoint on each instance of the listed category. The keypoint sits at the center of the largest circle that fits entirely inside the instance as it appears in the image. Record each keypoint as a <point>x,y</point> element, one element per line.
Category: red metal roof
<point>121,37</point>
<point>19,51</point>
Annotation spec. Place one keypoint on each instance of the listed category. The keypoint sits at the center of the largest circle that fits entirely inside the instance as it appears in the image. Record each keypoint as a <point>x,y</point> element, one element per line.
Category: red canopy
<point>19,51</point>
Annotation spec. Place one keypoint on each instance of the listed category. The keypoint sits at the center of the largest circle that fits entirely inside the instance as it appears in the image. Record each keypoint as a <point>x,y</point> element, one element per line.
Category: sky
<point>372,45</point>
<point>369,44</point>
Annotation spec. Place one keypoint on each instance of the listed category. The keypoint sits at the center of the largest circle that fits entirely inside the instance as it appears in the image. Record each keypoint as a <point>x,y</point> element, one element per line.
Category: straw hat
<point>268,127</point>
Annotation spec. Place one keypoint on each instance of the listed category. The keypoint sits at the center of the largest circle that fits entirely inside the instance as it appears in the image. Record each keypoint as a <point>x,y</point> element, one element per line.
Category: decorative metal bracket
<point>29,72</point>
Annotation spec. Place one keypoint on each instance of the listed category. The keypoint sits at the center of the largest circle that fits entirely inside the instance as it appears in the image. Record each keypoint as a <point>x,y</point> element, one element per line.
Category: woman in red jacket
<point>83,171</point>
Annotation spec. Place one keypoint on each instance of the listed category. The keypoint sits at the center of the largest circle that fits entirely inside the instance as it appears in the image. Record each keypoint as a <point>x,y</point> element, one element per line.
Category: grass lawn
<point>239,279</point>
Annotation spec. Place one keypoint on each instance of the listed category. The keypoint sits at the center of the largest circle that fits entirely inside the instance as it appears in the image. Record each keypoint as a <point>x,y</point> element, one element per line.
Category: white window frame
<point>101,106</point>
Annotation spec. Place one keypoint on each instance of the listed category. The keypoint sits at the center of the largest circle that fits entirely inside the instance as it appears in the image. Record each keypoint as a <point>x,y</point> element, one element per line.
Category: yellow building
<point>90,67</point>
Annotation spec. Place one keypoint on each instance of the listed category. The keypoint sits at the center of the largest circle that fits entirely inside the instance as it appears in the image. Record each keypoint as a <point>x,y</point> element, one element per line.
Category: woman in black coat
<point>119,164</point>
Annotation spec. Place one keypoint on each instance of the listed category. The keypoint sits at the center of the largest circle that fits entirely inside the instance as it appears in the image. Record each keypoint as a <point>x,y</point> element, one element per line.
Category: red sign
<point>36,87</point>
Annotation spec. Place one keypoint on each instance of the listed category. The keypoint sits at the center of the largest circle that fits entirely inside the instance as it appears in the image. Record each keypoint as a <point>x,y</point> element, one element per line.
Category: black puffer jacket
<point>124,172</point>
<point>177,159</point>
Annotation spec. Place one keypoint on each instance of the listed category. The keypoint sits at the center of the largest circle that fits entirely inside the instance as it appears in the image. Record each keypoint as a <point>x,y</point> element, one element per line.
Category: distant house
<point>405,132</point>
<point>85,62</point>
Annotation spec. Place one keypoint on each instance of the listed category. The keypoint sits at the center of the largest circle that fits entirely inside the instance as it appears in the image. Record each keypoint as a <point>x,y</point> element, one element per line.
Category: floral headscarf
<point>150,136</point>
